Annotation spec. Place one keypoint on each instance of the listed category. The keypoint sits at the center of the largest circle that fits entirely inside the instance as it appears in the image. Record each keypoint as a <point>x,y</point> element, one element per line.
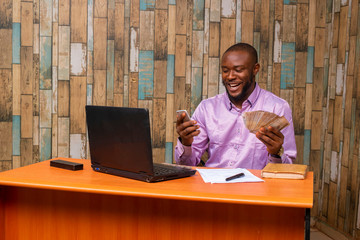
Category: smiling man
<point>217,124</point>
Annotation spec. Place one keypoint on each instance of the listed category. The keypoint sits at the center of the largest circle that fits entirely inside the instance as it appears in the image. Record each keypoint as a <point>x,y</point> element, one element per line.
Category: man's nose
<point>231,74</point>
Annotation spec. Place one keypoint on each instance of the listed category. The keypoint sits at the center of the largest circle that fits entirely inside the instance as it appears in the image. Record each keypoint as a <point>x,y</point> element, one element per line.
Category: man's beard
<point>242,95</point>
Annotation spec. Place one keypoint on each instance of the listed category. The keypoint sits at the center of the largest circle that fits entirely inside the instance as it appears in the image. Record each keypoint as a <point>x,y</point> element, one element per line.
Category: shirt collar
<point>251,99</point>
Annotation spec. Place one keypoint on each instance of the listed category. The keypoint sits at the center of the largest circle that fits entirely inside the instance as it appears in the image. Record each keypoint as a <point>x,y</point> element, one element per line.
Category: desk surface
<point>272,192</point>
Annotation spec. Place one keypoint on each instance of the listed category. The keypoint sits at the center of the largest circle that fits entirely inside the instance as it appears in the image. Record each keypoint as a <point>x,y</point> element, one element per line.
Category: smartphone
<point>187,116</point>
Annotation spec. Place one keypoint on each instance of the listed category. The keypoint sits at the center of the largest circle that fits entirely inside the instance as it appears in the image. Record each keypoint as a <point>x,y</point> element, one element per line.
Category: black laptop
<point>120,144</point>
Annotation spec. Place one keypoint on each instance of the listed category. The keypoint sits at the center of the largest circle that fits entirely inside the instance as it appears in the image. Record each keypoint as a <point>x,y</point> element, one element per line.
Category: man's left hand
<point>272,138</point>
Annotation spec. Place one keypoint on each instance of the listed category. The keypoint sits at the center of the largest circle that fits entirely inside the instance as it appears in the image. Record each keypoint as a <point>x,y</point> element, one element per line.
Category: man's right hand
<point>186,130</point>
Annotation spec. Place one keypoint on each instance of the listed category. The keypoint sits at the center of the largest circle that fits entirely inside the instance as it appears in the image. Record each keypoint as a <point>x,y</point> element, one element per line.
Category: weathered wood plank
<point>172,23</point>
<point>100,41</point>
<point>119,27</point>
<point>214,40</point>
<point>63,137</point>
<point>332,205</point>
<point>134,49</point>
<point>161,34</point>
<point>299,139</point>
<point>26,23</point>
<point>196,88</point>
<point>338,124</point>
<point>78,146</point>
<point>54,136</point>
<point>354,18</point>
<point>135,13</point>
<point>63,98</point>
<point>111,20</point>
<point>6,150</point>
<point>228,34</point>
<point>64,53</point>
<point>133,89</point>
<point>5,95</point>
<point>316,122</point>
<point>308,106</point>
<point>26,70</point>
<point>290,27</point>
<point>317,93</point>
<point>302,24</point>
<point>320,16</point>
<point>26,157</point>
<point>342,193</point>
<point>6,46</point>
<point>198,15</point>
<point>99,88</point>
<point>45,63</point>
<point>335,30</point>
<point>160,79</point>
<point>16,90</point>
<point>16,11</point>
<point>147,19</point>
<point>100,8</point>
<point>64,12</point>
<point>26,116</point>
<point>299,111</point>
<point>247,29</point>
<point>276,79</point>
<point>248,5</point>
<point>45,143</point>
<point>78,59</point>
<point>159,155</point>
<point>312,23</point>
<point>197,49</point>
<point>300,74</point>
<point>6,15</point>
<point>179,90</point>
<point>180,56</point>
<point>77,105</point>
<point>159,121</point>
<point>170,117</point>
<point>46,18</point>
<point>110,62</point>
<point>348,102</point>
<point>342,32</point>
<point>319,47</point>
<point>79,20</point>
<point>315,167</point>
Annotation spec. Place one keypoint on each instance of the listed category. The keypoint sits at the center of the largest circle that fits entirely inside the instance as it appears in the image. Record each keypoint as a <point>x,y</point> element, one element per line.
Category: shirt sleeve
<point>289,144</point>
<point>191,155</point>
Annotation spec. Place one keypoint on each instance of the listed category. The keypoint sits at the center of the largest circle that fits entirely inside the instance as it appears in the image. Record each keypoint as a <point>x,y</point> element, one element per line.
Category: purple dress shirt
<point>225,136</point>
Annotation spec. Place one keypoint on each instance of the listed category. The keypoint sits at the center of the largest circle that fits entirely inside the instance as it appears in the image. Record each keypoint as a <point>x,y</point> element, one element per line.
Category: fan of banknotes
<point>257,119</point>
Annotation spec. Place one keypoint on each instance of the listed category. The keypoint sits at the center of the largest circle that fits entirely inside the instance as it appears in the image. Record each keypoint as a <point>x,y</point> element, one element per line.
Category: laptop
<point>120,144</point>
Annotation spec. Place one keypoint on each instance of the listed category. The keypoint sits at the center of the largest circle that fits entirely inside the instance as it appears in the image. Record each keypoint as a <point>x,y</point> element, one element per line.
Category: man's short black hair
<point>243,47</point>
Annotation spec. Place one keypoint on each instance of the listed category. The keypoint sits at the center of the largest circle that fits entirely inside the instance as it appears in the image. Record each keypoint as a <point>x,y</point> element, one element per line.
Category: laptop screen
<point>120,138</point>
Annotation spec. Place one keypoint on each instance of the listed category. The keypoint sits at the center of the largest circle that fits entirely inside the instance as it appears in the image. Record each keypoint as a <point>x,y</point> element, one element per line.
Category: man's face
<point>238,75</point>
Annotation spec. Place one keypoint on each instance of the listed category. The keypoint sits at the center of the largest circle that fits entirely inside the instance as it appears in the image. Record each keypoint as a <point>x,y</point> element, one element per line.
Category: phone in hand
<point>187,116</point>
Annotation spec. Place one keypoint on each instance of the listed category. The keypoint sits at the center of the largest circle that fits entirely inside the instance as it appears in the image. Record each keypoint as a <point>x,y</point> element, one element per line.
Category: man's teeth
<point>234,84</point>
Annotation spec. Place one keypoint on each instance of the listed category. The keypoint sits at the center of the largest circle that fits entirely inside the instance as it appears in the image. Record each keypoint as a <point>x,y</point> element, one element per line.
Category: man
<point>217,124</point>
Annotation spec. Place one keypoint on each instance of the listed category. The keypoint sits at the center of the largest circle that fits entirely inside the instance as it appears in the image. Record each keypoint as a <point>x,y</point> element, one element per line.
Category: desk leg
<point>307,224</point>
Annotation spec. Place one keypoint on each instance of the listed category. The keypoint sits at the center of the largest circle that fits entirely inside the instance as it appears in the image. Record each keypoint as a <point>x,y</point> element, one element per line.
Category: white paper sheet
<point>219,175</point>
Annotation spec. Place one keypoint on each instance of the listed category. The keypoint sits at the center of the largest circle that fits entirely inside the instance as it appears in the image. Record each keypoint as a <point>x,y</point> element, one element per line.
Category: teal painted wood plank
<point>310,65</point>
<point>110,70</point>
<point>45,144</point>
<point>45,63</point>
<point>90,40</point>
<point>16,134</point>
<point>169,152</point>
<point>172,2</point>
<point>170,74</point>
<point>287,65</point>
<point>16,43</point>
<point>290,2</point>
<point>146,75</point>
<point>89,88</point>
<point>196,88</point>
<point>147,4</point>
<point>198,15</point>
<point>307,143</point>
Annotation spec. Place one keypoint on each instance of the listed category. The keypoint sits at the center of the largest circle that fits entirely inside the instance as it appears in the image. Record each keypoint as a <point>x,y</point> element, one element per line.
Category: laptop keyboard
<point>166,170</point>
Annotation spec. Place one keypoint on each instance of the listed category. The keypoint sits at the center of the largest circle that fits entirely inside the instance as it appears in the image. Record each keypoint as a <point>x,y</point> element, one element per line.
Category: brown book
<point>287,171</point>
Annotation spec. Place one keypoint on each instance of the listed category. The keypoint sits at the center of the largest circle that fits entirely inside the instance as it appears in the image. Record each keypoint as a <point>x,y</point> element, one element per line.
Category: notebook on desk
<point>120,144</point>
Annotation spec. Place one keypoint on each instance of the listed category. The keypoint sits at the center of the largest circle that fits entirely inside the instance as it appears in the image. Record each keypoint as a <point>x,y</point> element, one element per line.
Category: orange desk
<point>43,202</point>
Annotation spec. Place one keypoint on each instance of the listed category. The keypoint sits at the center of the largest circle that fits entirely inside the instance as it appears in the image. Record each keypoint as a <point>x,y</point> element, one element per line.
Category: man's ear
<point>256,68</point>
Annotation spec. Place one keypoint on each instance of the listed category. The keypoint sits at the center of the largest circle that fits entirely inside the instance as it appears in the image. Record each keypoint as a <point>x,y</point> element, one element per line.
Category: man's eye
<point>238,70</point>
<point>225,71</point>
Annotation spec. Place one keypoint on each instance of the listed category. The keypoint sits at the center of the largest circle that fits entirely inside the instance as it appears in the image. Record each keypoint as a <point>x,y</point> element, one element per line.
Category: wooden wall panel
<point>57,56</point>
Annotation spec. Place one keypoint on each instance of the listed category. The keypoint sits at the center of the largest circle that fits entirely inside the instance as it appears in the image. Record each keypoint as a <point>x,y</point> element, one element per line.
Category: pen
<point>235,176</point>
